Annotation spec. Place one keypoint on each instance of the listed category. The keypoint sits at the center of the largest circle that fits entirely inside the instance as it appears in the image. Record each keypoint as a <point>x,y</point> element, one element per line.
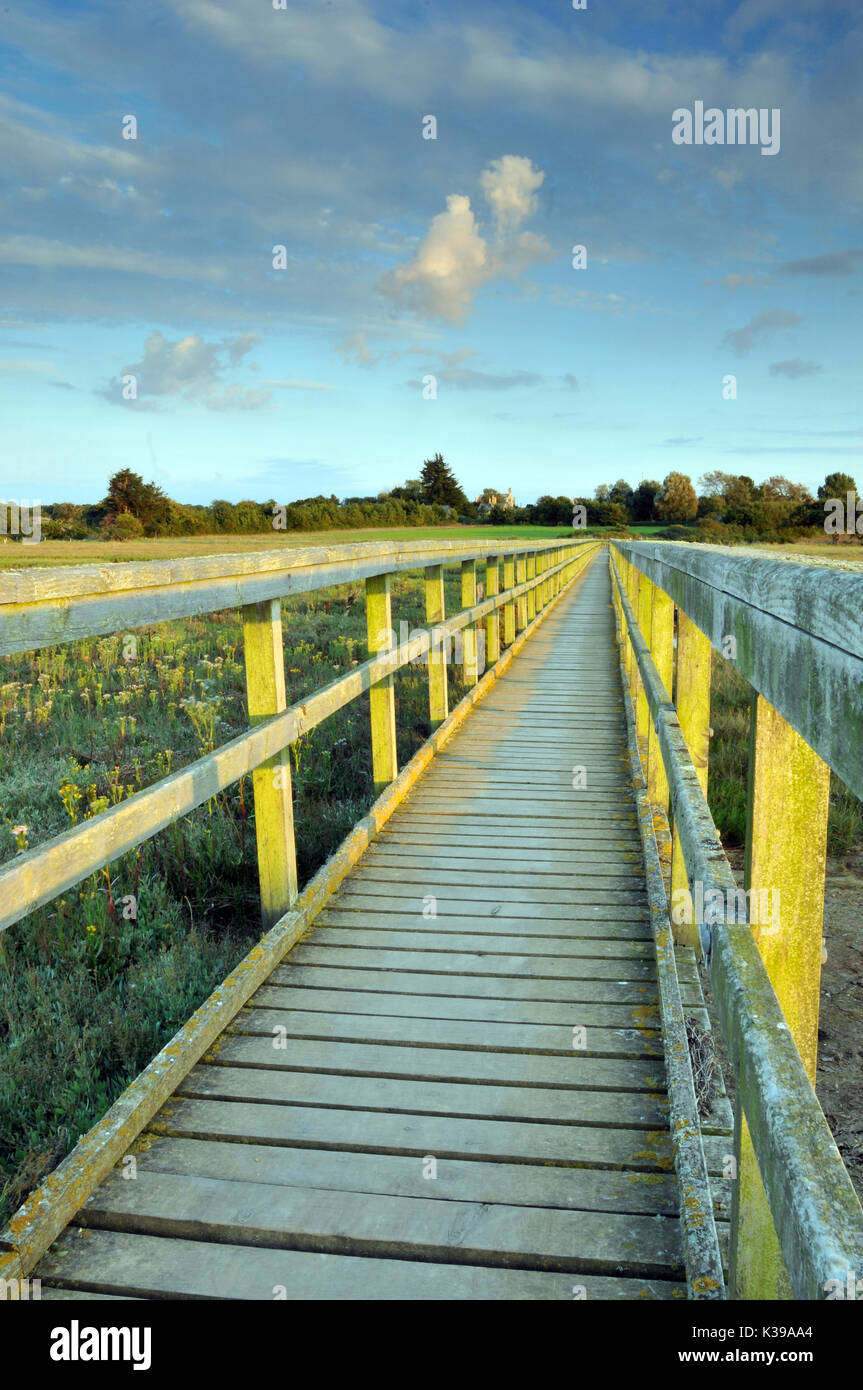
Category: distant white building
<point>490,498</point>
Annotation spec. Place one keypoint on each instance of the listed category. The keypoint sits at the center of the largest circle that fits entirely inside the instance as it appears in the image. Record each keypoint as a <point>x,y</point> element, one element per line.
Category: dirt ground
<point>839,1083</point>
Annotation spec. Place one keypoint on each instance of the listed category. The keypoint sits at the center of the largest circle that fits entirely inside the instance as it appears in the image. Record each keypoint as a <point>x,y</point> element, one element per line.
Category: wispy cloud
<point>742,340</point>
<point>832,263</point>
<point>794,368</point>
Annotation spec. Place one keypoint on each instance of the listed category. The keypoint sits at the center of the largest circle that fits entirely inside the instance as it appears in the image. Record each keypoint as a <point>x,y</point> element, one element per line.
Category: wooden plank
<point>455,1033</point>
<point>350,1223</point>
<point>465,963</point>
<point>357,1001</point>
<point>516,1184</point>
<point>421,1097</point>
<point>301,1126</point>
<point>430,1063</point>
<point>147,1266</point>
<point>455,905</point>
<point>499,925</point>
<point>589,990</point>
<point>596,887</point>
<point>271,781</point>
<point>427,939</point>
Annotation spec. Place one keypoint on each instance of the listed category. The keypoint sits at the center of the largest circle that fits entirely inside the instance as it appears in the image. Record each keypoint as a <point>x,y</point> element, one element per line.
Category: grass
<point>15,555</point>
<point>92,985</point>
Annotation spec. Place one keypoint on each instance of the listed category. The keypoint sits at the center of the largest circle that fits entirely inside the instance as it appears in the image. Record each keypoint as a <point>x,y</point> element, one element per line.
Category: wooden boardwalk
<point>454,1086</point>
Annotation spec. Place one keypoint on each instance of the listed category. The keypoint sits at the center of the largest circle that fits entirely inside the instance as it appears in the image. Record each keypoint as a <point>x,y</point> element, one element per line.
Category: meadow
<point>92,985</point>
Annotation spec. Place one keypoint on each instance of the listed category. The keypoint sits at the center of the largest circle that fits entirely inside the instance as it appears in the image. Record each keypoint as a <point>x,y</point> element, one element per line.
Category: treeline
<point>726,507</point>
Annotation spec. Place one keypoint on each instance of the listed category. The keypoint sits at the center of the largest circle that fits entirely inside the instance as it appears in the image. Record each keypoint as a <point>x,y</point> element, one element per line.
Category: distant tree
<point>128,493</point>
<point>439,484</point>
<point>643,503</point>
<point>836,485</point>
<point>677,501</point>
<point>621,493</point>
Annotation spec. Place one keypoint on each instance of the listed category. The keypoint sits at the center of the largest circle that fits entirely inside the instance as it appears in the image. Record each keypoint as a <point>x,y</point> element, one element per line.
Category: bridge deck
<point>400,1111</point>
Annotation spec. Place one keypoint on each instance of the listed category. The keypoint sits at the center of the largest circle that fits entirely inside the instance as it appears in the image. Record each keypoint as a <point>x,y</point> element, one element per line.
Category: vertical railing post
<point>692,700</point>
<point>468,634</point>
<point>531,593</point>
<point>271,782</point>
<point>642,617</point>
<point>521,602</point>
<point>438,652</point>
<point>662,651</point>
<point>786,846</point>
<point>492,622</point>
<point>509,606</point>
<point>382,699</point>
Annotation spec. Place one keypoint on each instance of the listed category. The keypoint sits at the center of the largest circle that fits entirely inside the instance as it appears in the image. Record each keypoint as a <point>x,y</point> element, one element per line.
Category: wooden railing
<point>794,633</point>
<point>42,607</point>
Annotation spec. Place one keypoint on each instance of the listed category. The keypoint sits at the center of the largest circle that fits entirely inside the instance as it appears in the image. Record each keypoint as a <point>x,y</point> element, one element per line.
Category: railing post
<point>379,624</point>
<point>692,700</point>
<point>437,656</point>
<point>271,781</point>
<point>492,622</point>
<point>786,846</point>
<point>508,607</point>
<point>531,593</point>
<point>642,617</point>
<point>521,602</point>
<point>468,634</point>
<point>662,651</point>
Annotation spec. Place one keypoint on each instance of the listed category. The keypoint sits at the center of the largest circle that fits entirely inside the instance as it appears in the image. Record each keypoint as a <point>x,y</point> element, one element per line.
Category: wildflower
<point>91,931</point>
<point>19,829</point>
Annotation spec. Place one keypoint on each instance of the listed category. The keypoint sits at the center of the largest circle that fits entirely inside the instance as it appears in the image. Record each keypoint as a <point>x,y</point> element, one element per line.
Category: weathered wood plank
<point>425,1097</point>
<point>430,1063</point>
<point>146,1266</point>
<point>349,1223</point>
<point>516,1184</point>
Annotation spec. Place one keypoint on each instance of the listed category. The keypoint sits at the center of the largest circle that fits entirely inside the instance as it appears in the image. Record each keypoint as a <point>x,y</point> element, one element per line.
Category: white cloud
<point>190,369</point>
<point>453,261</point>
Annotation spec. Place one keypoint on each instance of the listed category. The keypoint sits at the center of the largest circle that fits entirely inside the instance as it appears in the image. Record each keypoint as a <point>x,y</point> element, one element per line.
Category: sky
<point>233,259</point>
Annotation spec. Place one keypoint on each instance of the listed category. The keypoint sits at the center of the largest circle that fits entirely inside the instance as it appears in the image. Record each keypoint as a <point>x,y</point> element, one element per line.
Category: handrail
<point>39,607</point>
<point>781,618</point>
<point>817,1217</point>
<point>39,875</point>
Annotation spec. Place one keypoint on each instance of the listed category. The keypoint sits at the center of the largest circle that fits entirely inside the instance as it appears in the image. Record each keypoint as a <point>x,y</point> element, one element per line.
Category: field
<point>92,985</point>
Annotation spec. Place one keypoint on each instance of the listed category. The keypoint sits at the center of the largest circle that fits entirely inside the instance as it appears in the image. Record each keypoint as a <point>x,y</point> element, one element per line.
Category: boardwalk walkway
<point>454,1087</point>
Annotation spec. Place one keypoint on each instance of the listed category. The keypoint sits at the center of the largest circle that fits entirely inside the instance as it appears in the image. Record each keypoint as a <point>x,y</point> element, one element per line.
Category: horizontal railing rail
<point>796,631</point>
<point>37,876</point>
<point>792,1189</point>
<point>42,606</point>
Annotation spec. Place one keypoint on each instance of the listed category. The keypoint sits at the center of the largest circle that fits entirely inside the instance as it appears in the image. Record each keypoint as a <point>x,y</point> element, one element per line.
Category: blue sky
<point>408,257</point>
